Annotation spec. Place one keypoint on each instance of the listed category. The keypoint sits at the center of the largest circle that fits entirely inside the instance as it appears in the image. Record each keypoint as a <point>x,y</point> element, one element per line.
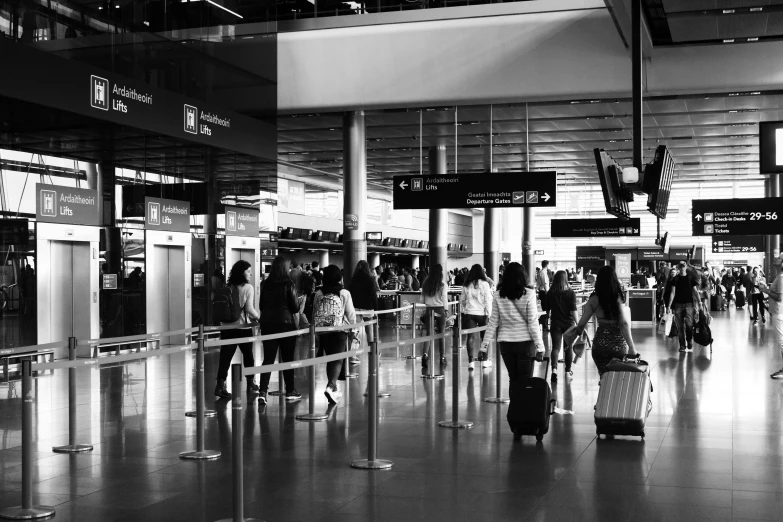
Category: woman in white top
<point>475,305</point>
<point>514,325</point>
<point>435,294</point>
<point>333,306</point>
<point>239,277</point>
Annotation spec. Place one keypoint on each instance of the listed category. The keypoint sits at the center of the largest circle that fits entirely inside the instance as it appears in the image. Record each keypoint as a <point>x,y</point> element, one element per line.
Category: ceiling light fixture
<point>728,40</point>
<point>225,9</point>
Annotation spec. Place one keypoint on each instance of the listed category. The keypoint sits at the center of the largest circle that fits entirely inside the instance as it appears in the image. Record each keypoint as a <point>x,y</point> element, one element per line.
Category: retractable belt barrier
<point>31,349</point>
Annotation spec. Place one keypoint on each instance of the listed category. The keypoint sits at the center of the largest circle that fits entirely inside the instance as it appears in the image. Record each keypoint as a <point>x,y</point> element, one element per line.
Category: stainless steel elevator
<point>246,249</point>
<point>168,284</point>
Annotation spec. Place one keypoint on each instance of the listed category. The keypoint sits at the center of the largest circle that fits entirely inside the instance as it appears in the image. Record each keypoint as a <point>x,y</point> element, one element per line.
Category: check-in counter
<point>642,302</point>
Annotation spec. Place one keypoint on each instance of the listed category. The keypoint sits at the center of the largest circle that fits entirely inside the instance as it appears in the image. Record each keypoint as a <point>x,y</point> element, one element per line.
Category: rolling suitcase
<point>740,298</point>
<point>624,398</point>
<point>531,405</point>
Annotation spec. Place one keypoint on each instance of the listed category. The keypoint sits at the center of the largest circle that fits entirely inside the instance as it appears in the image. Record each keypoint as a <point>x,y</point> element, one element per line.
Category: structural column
<point>492,242</point>
<point>355,191</point>
<point>528,240</point>
<point>774,192</point>
<point>439,218</point>
<point>374,260</point>
<point>323,258</point>
<point>415,260</point>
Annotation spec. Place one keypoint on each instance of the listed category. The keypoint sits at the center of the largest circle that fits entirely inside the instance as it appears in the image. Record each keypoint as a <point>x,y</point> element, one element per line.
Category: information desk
<point>642,302</point>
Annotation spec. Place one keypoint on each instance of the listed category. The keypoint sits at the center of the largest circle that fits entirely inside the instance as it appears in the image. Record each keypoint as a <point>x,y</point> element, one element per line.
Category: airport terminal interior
<point>356,195</point>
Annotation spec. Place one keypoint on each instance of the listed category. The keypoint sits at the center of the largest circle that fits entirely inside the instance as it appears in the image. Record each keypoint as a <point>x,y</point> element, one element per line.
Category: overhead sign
<point>651,253</point>
<point>109,281</point>
<point>241,222</point>
<point>622,265</point>
<point>291,196</point>
<point>612,253</point>
<point>198,280</point>
<point>607,227</point>
<point>487,190</point>
<point>73,206</point>
<point>538,252</point>
<point>737,217</point>
<point>166,214</point>
<point>14,232</point>
<point>732,244</point>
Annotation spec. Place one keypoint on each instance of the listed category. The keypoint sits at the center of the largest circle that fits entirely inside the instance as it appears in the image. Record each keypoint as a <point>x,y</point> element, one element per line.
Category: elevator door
<point>168,284</point>
<point>70,290</point>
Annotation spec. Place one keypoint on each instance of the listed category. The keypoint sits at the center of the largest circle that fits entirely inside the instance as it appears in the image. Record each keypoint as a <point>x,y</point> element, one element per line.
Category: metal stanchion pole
<point>372,461</point>
<point>498,387</point>
<point>311,415</point>
<point>413,333</point>
<point>380,394</point>
<point>348,373</point>
<point>456,345</point>
<point>238,498</point>
<point>72,447</point>
<point>200,453</point>
<point>431,349</point>
<point>27,511</point>
<point>200,398</point>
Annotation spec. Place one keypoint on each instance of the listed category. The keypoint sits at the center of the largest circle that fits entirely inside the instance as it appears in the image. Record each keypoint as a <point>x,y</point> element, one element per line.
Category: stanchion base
<point>19,513</point>
<point>275,393</point>
<point>312,417</point>
<point>381,395</point>
<point>207,413</point>
<point>457,425</point>
<point>432,376</point>
<point>72,448</point>
<point>200,455</point>
<point>372,464</point>
<point>497,400</point>
<point>351,375</point>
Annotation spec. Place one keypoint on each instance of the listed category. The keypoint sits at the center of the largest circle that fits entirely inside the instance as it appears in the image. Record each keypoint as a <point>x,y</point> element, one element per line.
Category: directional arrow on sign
<point>698,217</point>
<point>403,185</point>
<point>545,197</point>
<point>635,230</point>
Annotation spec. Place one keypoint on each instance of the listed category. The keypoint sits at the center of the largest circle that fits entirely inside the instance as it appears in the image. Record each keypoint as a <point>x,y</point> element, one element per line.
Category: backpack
<point>415,286</point>
<point>329,311</point>
<point>226,307</point>
<point>702,334</point>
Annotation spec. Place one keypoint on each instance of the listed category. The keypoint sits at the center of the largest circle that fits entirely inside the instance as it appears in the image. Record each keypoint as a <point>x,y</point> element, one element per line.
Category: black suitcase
<point>740,298</point>
<point>714,304</point>
<point>531,405</point>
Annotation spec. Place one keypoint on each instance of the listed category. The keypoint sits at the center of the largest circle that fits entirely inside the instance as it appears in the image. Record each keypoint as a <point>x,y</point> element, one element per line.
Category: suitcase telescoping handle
<point>544,360</point>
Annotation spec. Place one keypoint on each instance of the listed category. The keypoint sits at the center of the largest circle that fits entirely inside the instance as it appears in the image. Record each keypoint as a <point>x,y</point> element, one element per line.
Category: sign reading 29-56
<point>737,217</point>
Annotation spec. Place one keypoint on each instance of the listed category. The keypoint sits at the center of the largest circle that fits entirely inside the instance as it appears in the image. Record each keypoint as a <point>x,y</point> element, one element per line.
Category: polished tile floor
<point>714,446</point>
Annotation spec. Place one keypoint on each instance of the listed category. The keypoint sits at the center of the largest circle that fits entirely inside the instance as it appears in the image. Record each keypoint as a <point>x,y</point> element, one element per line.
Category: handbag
<point>666,323</point>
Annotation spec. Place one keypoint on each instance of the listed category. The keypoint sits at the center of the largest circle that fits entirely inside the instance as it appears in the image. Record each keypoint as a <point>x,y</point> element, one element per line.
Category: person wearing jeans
<point>683,292</point>
<point>475,305</point>
<point>561,305</point>
<point>435,294</point>
<point>757,298</point>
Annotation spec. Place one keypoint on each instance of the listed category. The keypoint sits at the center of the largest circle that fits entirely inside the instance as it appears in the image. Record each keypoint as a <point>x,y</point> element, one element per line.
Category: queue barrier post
<point>237,470</point>
<point>373,336</point>
<point>200,453</point>
<point>311,415</point>
<point>431,348</point>
<point>72,446</point>
<point>200,388</point>
<point>413,333</point>
<point>27,511</point>
<point>456,346</point>
<point>499,399</point>
<point>372,461</point>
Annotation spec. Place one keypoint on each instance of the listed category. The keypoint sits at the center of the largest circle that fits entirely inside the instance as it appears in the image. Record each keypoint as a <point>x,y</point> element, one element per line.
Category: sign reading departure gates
<point>734,244</point>
<point>241,222</point>
<point>72,206</point>
<point>596,227</point>
<point>737,217</point>
<point>166,214</point>
<point>487,190</point>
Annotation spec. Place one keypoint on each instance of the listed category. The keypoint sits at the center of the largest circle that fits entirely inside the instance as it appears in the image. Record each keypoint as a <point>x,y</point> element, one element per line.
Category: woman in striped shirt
<point>514,325</point>
<point>435,295</point>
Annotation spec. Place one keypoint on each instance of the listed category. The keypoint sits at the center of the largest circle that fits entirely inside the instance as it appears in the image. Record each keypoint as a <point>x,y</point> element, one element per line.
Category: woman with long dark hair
<point>333,306</point>
<point>476,305</point>
<point>514,325</point>
<point>561,306</point>
<point>278,305</point>
<point>364,292</point>
<point>238,278</point>
<point>435,294</point>
<point>613,336</point>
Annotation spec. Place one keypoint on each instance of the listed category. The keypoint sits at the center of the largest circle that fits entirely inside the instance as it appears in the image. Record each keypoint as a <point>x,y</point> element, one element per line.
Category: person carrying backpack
<point>233,305</point>
<point>333,306</point>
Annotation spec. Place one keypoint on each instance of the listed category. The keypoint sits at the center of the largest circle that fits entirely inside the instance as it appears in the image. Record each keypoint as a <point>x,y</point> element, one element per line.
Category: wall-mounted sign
<point>351,222</point>
<point>651,253</point>
<point>737,217</point>
<point>74,206</point>
<point>622,265</point>
<point>198,280</point>
<point>539,252</point>
<point>109,281</point>
<point>593,255</point>
<point>166,214</point>
<point>612,253</point>
<point>732,244</point>
<point>290,196</point>
<point>487,190</point>
<point>241,222</point>
<point>596,227</point>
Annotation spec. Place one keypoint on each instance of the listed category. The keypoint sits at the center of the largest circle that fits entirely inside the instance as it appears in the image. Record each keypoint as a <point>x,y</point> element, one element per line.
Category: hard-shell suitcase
<point>624,398</point>
<point>740,298</point>
<point>531,405</point>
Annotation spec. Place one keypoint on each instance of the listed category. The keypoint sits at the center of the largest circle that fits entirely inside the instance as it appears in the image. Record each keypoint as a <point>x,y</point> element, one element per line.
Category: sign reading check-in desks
<point>486,190</point>
<point>166,214</point>
<point>736,244</point>
<point>241,222</point>
<point>737,217</point>
<point>72,206</point>
<point>596,227</point>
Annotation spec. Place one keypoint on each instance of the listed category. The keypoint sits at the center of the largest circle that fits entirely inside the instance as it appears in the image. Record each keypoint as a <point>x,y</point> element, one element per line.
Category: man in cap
<point>684,302</point>
<point>775,293</point>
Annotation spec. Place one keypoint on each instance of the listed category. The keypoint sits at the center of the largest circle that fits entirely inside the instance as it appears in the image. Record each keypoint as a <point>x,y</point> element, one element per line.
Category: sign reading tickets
<point>622,265</point>
<point>72,206</point>
<point>595,227</point>
<point>734,244</point>
<point>166,214</point>
<point>738,217</point>
<point>241,222</point>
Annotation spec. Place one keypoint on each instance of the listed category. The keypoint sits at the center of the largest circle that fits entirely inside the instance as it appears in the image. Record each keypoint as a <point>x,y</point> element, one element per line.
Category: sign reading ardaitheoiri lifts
<point>73,206</point>
<point>737,217</point>
<point>241,222</point>
<point>487,190</point>
<point>166,214</point>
